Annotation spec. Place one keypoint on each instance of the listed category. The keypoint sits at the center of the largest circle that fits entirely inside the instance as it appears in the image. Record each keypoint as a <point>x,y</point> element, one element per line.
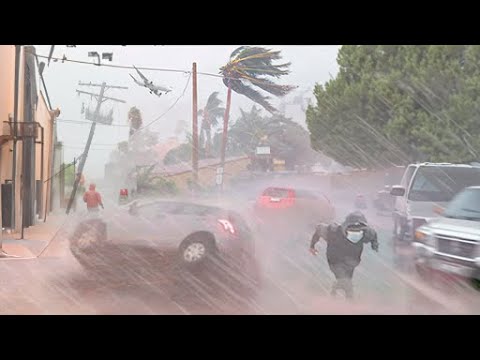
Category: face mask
<point>354,236</point>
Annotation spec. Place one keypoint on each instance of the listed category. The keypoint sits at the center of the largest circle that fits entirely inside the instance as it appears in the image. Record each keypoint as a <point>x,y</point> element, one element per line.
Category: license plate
<point>274,199</point>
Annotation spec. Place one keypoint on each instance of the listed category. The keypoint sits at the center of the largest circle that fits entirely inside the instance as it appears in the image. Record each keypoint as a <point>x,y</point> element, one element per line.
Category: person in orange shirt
<point>93,199</point>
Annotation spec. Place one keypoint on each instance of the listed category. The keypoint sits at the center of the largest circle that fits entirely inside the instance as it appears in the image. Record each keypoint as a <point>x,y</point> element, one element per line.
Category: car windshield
<point>441,184</point>
<point>306,194</point>
<point>465,205</point>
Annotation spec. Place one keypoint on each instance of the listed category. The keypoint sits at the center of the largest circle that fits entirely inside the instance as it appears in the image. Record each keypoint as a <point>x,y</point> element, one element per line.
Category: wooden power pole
<point>195,127</point>
<point>96,117</point>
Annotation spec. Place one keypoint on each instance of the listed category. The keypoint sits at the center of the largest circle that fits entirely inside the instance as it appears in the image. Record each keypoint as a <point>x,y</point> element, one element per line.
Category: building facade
<point>26,146</point>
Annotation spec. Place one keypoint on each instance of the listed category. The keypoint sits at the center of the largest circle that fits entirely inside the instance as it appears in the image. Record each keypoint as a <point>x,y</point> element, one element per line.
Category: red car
<point>288,207</point>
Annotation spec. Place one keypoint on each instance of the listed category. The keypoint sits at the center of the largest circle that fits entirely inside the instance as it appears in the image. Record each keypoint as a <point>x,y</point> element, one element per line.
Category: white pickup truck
<point>451,243</point>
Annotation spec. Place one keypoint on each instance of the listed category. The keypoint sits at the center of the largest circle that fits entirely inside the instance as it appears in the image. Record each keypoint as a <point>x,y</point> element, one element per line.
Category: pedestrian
<point>93,199</point>
<point>344,248</point>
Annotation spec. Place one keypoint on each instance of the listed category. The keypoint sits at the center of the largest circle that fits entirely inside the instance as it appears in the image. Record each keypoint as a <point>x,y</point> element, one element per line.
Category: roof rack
<point>444,164</point>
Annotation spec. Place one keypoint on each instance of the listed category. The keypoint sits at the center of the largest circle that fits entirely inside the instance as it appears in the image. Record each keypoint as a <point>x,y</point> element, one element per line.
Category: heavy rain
<point>236,179</point>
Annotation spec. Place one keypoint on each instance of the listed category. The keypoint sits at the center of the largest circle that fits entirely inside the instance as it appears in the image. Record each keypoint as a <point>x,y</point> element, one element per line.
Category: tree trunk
<point>202,142</point>
<point>208,142</point>
<point>225,126</point>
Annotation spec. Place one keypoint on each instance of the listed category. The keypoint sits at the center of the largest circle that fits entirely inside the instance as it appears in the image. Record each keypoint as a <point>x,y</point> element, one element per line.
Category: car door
<point>401,202</point>
<point>156,224</point>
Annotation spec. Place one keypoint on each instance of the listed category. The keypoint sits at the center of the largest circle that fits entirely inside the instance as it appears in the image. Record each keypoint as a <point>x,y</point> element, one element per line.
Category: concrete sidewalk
<point>35,238</point>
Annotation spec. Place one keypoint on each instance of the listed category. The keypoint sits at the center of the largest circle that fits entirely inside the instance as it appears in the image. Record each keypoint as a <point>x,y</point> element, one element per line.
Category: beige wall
<point>7,82</point>
<point>7,86</point>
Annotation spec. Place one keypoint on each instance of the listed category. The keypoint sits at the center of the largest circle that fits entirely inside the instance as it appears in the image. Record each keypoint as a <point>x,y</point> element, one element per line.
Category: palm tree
<point>210,113</point>
<point>251,67</point>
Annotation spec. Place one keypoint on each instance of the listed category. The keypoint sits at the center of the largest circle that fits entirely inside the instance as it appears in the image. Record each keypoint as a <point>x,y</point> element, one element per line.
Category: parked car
<point>141,236</point>
<point>451,243</point>
<point>422,187</point>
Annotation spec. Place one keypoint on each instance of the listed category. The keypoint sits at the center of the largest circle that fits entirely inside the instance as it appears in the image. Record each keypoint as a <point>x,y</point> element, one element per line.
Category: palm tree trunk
<point>208,142</point>
<point>225,126</point>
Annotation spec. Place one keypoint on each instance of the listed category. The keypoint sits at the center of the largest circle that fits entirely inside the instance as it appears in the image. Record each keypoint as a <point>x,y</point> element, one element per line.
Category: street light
<point>105,56</point>
<point>94,54</point>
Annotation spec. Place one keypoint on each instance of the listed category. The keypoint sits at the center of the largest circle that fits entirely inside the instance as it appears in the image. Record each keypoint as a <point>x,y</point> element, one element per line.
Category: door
<point>157,225</point>
<point>401,201</point>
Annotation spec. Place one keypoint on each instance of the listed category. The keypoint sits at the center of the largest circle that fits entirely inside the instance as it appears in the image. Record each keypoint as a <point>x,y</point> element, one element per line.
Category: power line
<point>82,122</point>
<point>93,149</point>
<point>96,116</point>
<point>131,67</point>
<point>96,144</point>
<point>170,108</point>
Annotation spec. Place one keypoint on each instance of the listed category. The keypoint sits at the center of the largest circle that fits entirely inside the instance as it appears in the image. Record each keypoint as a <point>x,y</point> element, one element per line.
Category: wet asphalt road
<point>293,282</point>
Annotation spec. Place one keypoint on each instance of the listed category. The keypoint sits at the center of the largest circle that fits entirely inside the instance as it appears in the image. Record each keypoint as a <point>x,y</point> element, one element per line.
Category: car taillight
<point>227,226</point>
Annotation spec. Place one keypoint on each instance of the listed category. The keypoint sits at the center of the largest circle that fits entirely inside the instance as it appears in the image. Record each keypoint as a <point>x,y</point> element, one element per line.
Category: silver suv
<point>425,186</point>
<point>451,243</point>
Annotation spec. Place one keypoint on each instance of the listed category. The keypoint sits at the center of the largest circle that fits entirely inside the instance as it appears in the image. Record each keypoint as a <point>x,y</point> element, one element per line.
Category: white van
<point>423,188</point>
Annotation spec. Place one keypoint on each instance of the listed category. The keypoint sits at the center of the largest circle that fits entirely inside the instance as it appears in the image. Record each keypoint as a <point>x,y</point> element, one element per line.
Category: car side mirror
<point>437,209</point>
<point>397,191</point>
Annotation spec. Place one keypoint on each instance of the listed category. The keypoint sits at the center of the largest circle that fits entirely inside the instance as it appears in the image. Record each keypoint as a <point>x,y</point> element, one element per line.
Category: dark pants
<point>343,272</point>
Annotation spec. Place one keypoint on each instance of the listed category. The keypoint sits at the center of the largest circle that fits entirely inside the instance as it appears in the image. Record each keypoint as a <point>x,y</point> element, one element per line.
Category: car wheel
<point>196,250</point>
<point>85,244</point>
<point>88,235</point>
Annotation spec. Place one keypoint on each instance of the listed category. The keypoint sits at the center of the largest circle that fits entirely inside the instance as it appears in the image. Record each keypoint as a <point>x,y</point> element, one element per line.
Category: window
<point>435,183</point>
<point>277,192</point>
<point>465,205</point>
<point>407,177</point>
<point>302,194</point>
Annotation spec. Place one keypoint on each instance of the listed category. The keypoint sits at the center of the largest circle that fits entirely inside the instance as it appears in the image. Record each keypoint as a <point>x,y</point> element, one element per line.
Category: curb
<point>6,256</point>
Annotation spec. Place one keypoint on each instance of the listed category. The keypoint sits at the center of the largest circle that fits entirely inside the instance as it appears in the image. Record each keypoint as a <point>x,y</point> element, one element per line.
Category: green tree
<point>211,114</point>
<point>287,139</point>
<point>182,153</point>
<point>68,173</point>
<point>394,104</point>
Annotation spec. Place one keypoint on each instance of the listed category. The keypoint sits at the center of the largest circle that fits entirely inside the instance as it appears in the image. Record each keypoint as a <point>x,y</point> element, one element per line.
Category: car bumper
<point>427,256</point>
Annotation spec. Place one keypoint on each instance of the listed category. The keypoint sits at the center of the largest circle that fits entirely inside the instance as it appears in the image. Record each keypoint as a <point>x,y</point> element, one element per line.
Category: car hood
<point>424,209</point>
<point>456,228</point>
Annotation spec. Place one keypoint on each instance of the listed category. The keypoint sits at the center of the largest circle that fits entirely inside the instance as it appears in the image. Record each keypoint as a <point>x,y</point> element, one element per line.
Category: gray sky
<point>310,65</point>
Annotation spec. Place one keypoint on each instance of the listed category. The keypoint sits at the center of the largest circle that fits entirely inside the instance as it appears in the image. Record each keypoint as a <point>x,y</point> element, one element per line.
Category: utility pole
<point>100,99</point>
<point>18,50</point>
<point>195,127</point>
